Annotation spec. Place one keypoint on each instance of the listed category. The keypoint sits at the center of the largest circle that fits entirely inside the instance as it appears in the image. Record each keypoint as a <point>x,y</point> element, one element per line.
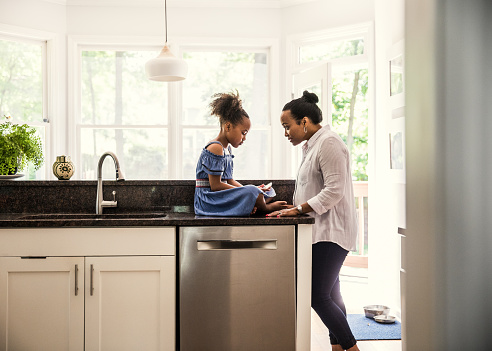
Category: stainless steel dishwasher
<point>237,288</point>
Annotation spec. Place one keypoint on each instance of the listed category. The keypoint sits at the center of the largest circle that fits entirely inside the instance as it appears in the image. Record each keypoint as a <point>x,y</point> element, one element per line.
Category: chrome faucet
<point>100,202</point>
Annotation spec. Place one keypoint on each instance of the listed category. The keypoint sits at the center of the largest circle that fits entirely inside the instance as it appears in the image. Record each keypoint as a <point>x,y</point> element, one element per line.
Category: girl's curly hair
<point>228,107</point>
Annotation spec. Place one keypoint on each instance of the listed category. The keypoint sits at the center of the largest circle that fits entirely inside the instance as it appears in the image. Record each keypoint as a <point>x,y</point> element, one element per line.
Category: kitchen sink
<point>92,216</point>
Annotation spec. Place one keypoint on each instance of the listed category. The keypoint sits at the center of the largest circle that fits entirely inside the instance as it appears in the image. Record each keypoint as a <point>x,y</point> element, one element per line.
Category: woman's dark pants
<point>326,298</point>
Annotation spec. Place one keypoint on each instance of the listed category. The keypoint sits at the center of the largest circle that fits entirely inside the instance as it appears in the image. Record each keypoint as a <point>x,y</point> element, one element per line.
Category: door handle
<point>92,279</point>
<point>204,245</point>
<point>76,279</point>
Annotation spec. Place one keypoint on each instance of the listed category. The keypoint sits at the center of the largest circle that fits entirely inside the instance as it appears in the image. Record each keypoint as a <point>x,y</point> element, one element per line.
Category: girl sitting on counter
<point>216,192</point>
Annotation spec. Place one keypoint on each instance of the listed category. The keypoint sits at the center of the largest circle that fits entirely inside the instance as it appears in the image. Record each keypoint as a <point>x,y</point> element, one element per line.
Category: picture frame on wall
<point>396,63</point>
<point>396,69</point>
<point>397,149</point>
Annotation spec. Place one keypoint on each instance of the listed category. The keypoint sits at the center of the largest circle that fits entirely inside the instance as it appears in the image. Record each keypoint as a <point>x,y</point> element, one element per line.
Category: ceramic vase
<point>63,167</point>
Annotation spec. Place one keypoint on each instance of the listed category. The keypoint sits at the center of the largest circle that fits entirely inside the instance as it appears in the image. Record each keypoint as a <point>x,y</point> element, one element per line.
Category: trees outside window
<point>122,111</point>
<point>22,81</point>
<point>349,95</point>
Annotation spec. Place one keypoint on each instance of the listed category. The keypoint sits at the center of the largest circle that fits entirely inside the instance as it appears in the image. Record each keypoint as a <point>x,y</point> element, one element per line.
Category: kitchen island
<point>117,274</point>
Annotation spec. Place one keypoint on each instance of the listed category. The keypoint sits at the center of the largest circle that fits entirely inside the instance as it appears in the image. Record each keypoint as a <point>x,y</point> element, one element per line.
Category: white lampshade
<point>166,67</point>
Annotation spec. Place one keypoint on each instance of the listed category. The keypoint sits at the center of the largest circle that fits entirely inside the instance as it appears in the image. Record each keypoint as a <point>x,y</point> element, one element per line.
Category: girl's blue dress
<point>230,202</point>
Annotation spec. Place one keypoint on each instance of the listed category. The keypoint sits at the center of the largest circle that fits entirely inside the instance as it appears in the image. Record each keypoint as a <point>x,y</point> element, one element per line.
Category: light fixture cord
<point>165,16</point>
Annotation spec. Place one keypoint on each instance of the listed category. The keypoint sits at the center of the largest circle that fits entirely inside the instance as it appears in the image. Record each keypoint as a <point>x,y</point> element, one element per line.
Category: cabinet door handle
<point>92,279</point>
<point>76,279</point>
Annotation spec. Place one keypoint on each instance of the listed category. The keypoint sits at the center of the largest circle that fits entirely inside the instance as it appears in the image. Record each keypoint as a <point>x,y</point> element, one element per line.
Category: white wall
<point>386,196</point>
<point>182,21</point>
<point>449,218</point>
<point>33,14</point>
<point>323,14</point>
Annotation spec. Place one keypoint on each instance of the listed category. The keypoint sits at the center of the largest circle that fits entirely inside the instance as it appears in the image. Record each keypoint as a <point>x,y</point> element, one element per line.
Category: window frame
<point>77,44</point>
<point>51,97</point>
<point>293,66</point>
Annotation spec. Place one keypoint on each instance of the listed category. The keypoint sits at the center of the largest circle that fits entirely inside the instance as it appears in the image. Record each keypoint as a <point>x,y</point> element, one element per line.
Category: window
<point>22,88</point>
<point>350,109</point>
<point>335,66</point>
<point>344,50</point>
<point>123,112</point>
<point>157,129</point>
<point>220,71</point>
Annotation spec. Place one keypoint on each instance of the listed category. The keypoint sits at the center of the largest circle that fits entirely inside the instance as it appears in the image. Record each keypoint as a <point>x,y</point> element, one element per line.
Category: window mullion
<point>175,137</point>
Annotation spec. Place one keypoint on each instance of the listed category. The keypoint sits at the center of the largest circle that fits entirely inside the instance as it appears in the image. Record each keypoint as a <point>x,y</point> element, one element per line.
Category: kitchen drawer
<point>88,241</point>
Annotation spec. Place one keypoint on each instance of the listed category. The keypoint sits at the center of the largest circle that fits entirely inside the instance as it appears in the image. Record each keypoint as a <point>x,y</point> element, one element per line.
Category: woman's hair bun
<point>310,97</point>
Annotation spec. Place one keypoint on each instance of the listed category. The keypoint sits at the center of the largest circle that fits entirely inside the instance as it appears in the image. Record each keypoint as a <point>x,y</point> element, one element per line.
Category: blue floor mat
<point>365,328</point>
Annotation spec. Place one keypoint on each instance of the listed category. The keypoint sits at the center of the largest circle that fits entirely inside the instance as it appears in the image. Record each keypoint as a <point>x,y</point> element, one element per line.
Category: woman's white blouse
<point>324,181</point>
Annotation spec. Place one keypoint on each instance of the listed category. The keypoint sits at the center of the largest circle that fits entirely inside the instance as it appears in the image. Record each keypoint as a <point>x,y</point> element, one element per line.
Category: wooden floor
<point>354,302</point>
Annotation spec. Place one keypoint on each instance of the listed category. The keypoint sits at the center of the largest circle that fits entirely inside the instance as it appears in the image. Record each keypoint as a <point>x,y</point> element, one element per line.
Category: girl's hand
<point>264,187</point>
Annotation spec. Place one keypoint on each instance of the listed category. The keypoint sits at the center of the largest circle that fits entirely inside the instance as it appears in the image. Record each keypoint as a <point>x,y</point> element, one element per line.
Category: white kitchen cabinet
<point>125,299</point>
<point>129,303</point>
<point>39,307</point>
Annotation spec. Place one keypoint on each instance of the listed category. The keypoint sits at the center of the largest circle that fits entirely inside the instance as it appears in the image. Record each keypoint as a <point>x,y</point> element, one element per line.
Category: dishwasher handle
<point>205,245</point>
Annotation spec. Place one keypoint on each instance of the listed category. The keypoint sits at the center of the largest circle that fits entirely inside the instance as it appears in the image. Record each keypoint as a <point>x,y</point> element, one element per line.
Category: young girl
<point>216,192</point>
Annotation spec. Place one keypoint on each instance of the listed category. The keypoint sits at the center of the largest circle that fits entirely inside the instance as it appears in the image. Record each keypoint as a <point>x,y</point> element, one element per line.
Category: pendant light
<point>166,67</point>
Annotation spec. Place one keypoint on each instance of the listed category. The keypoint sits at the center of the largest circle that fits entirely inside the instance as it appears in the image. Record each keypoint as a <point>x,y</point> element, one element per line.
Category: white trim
<point>73,102</point>
<point>256,4</point>
<point>26,33</point>
<point>124,126</point>
<point>214,43</point>
<point>277,164</point>
<point>330,34</point>
<point>58,2</point>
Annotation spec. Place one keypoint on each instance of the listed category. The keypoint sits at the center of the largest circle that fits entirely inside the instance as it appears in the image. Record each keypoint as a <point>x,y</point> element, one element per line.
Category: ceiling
<point>278,4</point>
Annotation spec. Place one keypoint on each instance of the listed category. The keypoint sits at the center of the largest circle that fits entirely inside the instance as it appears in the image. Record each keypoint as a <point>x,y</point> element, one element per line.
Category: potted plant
<point>19,146</point>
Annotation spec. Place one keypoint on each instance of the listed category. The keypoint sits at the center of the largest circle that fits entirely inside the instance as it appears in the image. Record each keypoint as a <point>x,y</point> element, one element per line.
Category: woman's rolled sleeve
<point>332,162</point>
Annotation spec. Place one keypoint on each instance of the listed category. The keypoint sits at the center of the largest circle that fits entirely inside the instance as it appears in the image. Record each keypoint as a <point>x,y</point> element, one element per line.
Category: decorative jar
<point>63,167</point>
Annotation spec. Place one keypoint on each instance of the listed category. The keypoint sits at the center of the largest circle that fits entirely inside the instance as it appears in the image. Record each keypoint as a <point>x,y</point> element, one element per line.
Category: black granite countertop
<point>24,220</point>
<point>52,204</point>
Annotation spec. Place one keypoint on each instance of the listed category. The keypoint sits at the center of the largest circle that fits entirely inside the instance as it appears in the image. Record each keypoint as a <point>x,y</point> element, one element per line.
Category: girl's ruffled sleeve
<point>213,164</point>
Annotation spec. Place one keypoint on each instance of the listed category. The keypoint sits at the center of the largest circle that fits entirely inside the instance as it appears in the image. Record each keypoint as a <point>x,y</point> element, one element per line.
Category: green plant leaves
<point>19,145</point>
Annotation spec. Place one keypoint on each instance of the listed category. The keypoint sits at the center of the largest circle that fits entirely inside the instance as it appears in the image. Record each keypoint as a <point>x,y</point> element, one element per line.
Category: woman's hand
<point>291,211</point>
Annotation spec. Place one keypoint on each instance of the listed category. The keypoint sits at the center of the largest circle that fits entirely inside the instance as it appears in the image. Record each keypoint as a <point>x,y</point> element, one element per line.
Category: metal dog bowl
<point>372,311</point>
<point>383,318</point>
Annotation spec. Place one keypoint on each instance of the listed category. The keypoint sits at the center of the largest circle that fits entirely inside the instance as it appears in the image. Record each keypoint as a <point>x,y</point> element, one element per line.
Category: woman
<point>324,190</point>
